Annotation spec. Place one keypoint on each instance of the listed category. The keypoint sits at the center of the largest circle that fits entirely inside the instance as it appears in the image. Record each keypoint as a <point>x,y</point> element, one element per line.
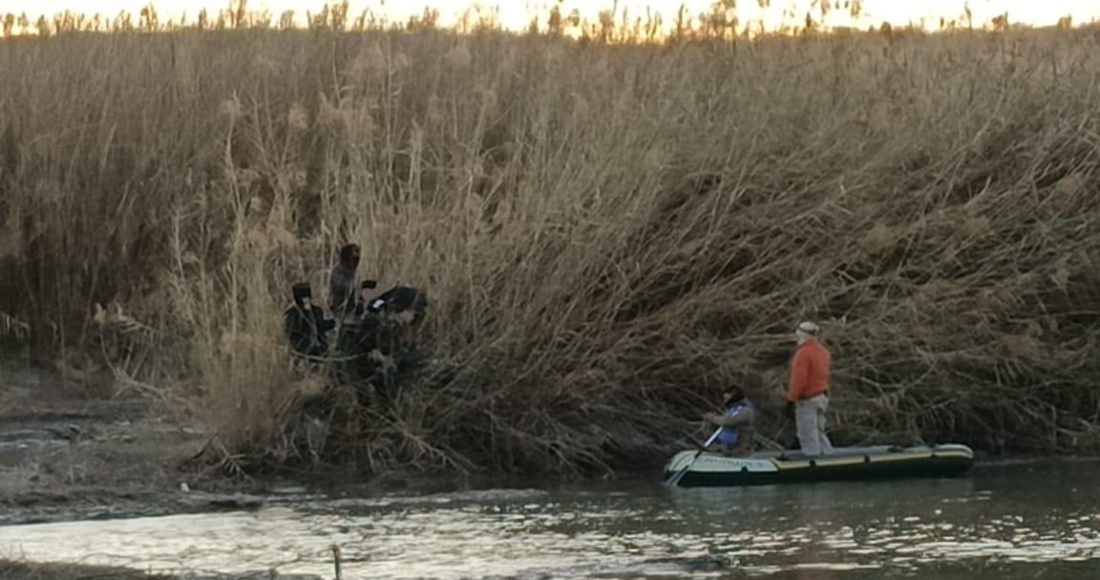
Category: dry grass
<point>608,233</point>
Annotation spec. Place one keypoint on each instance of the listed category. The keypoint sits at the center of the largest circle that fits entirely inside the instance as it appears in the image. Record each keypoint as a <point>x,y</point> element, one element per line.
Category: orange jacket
<point>810,368</point>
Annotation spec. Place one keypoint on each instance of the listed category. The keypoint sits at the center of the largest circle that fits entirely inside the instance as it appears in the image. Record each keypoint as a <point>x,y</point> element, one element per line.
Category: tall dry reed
<point>609,234</point>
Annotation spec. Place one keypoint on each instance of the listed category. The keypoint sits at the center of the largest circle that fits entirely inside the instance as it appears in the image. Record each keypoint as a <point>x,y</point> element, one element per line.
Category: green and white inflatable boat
<point>843,464</point>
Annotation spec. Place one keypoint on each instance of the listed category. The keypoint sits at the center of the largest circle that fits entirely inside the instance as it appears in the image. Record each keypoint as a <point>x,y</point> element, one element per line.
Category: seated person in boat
<point>304,323</point>
<point>736,437</point>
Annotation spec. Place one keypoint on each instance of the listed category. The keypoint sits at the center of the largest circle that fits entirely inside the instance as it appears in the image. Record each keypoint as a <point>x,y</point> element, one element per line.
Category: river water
<point>1005,521</point>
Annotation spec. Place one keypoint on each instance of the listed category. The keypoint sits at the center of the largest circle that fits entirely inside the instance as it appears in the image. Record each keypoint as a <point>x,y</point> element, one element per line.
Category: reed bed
<point>610,234</point>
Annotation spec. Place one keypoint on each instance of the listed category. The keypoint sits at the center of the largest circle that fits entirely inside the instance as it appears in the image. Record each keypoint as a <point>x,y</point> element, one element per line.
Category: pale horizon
<point>518,14</point>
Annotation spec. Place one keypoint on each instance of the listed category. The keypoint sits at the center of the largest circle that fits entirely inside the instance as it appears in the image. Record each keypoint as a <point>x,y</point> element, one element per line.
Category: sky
<point>516,14</point>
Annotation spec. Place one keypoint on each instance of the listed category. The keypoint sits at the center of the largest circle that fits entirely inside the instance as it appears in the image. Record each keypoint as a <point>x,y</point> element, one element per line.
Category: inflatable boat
<point>843,464</point>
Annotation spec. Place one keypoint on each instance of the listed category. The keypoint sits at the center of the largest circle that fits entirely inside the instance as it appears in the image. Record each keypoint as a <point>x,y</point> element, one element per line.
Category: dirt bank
<point>10,570</point>
<point>28,571</point>
<point>71,448</point>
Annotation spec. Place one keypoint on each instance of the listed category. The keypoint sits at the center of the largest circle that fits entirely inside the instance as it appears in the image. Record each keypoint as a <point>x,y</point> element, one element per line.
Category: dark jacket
<point>343,293</point>
<point>737,426</point>
<point>306,329</point>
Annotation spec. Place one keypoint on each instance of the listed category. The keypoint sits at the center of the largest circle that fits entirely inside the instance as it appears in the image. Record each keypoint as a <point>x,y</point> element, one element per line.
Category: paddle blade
<point>674,479</point>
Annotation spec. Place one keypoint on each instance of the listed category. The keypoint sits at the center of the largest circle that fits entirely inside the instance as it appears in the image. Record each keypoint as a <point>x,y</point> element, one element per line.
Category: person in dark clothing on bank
<point>305,324</point>
<point>379,351</point>
<point>344,300</point>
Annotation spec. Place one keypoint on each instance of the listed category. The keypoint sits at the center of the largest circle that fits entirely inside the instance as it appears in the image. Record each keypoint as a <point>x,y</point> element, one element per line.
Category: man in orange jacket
<point>808,390</point>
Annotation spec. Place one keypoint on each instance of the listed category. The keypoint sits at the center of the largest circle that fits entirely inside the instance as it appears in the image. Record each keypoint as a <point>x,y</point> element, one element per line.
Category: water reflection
<point>1000,522</point>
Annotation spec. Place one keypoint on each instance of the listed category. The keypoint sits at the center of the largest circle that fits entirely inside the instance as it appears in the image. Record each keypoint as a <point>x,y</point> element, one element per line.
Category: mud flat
<point>14,570</point>
<point>72,450</point>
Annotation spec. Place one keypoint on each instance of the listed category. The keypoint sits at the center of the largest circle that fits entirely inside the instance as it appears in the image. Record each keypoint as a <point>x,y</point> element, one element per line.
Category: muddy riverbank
<point>73,447</point>
<point>71,450</point>
<point>32,571</point>
<point>15,570</point>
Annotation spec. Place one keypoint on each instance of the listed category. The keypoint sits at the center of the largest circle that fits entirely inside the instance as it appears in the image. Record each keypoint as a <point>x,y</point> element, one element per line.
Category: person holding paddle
<point>735,433</point>
<point>736,422</point>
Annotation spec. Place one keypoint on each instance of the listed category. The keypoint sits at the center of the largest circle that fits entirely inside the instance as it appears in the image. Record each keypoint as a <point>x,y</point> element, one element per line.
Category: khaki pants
<point>809,415</point>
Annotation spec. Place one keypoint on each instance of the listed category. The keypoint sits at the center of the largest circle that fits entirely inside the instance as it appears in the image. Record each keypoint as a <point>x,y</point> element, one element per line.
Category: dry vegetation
<point>609,233</point>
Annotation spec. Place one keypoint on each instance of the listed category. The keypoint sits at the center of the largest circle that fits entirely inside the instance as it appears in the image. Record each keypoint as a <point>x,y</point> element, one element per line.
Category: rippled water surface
<point>1006,521</point>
